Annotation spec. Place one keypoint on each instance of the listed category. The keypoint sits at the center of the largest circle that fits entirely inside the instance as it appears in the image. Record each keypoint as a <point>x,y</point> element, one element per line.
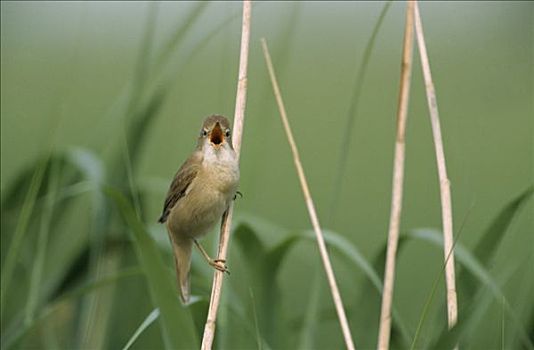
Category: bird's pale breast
<point>207,198</point>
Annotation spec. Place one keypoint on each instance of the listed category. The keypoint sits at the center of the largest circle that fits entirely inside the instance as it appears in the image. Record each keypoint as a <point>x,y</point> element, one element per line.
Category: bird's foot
<point>238,194</point>
<point>219,264</point>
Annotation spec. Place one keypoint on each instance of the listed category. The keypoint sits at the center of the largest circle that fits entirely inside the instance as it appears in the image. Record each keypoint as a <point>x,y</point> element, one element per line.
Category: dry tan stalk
<point>239,117</point>
<point>445,190</point>
<point>398,176</point>
<point>309,203</point>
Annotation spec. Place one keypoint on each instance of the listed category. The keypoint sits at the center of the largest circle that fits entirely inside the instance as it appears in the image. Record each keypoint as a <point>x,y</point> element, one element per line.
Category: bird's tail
<point>182,258</point>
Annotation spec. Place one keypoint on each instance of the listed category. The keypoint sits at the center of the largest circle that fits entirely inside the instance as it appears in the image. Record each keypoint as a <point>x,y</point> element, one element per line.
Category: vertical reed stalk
<point>239,116</point>
<point>398,176</point>
<point>309,203</point>
<point>445,190</point>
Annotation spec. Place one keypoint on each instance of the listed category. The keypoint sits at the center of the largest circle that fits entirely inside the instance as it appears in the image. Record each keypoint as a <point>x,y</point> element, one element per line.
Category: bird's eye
<point>204,133</point>
<point>227,134</point>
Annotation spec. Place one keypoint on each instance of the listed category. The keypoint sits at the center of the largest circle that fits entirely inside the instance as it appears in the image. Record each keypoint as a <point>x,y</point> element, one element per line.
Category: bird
<point>199,196</point>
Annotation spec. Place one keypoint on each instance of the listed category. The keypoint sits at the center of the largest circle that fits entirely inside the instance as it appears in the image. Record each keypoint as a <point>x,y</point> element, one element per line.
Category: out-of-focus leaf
<point>473,265</point>
<point>491,239</point>
<point>370,302</point>
<point>448,339</point>
<point>42,244</point>
<point>350,252</point>
<point>77,172</point>
<point>89,164</point>
<point>141,123</point>
<point>249,243</point>
<point>334,240</point>
<point>178,35</point>
<point>352,112</point>
<point>20,231</point>
<point>267,230</point>
<point>311,317</point>
<point>176,320</point>
<point>255,317</point>
<point>18,329</point>
<point>265,265</point>
<point>468,283</point>
<point>255,254</point>
<point>153,316</point>
<point>499,226</point>
<point>274,257</point>
<point>524,304</point>
<point>270,291</point>
<point>88,170</point>
<point>238,315</point>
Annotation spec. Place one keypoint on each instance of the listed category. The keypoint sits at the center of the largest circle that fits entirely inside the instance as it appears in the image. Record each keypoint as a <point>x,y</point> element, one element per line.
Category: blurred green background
<point>127,84</point>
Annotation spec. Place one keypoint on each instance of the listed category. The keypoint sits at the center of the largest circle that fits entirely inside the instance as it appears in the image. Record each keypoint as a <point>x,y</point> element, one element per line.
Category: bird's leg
<point>218,264</point>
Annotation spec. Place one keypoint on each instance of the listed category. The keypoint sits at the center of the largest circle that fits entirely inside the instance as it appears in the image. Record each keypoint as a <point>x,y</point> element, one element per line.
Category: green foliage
<point>82,256</point>
<point>177,321</point>
<point>153,316</point>
<point>264,263</point>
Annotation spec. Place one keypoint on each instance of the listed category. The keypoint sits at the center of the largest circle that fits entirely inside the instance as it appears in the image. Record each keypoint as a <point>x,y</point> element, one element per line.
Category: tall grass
<point>397,190</point>
<point>325,258</point>
<point>83,263</point>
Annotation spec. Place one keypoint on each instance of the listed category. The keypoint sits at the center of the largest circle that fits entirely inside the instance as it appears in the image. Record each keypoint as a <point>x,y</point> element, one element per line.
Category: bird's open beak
<point>217,135</point>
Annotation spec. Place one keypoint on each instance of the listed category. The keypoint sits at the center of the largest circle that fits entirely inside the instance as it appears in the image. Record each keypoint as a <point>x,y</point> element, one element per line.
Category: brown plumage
<point>199,195</point>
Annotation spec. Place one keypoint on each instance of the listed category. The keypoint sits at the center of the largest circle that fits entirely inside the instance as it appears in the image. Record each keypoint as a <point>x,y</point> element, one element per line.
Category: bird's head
<point>215,133</point>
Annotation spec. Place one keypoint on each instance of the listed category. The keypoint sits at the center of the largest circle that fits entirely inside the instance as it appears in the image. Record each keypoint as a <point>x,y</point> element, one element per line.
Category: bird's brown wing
<point>182,180</point>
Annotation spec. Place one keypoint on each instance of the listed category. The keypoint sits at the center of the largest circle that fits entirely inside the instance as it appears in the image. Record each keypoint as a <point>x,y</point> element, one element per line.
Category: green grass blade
<point>210,35</point>
<point>426,308</point>
<point>492,237</point>
<point>473,265</point>
<point>352,254</point>
<point>88,163</point>
<point>270,291</point>
<point>141,123</point>
<point>176,320</point>
<point>18,330</point>
<point>80,169</point>
<point>524,305</point>
<point>309,325</point>
<point>265,265</point>
<point>474,314</point>
<point>237,312</point>
<point>20,231</point>
<point>337,242</point>
<point>153,316</point>
<point>255,316</point>
<point>273,258</point>
<point>500,226</point>
<point>469,285</point>
<point>142,65</point>
<point>179,34</point>
<point>353,111</point>
<point>369,303</point>
<point>42,242</point>
<point>248,241</point>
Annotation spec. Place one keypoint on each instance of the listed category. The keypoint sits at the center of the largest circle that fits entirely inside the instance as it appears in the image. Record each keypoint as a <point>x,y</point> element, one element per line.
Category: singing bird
<point>199,195</point>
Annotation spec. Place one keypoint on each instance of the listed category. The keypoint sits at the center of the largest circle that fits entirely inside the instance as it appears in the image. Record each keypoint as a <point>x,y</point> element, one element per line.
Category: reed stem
<point>309,203</point>
<point>239,118</point>
<point>398,179</point>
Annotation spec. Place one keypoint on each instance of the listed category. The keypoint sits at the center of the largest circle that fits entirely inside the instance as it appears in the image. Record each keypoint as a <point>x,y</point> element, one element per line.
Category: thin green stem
<point>255,316</point>
<point>426,307</point>
<point>151,318</point>
<point>42,242</point>
<point>353,112</point>
<point>20,232</point>
<point>12,335</point>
